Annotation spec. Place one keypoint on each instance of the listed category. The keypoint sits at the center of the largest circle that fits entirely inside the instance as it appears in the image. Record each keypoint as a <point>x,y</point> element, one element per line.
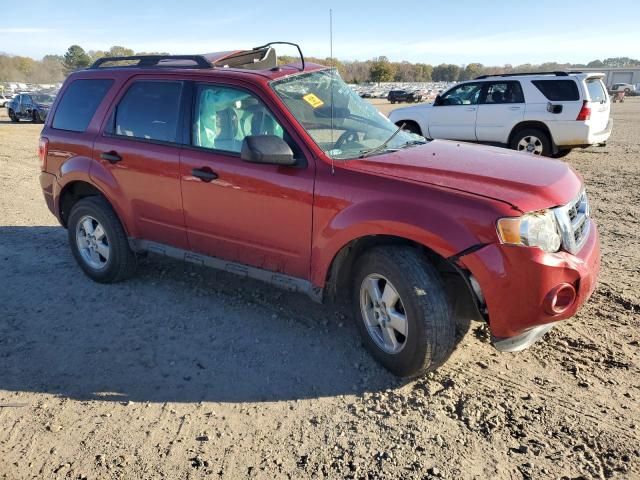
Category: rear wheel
<point>98,241</point>
<point>531,140</point>
<point>402,311</point>
<point>35,118</point>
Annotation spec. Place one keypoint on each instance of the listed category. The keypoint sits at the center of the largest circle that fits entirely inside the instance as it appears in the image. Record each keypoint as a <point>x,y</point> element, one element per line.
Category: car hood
<point>522,180</point>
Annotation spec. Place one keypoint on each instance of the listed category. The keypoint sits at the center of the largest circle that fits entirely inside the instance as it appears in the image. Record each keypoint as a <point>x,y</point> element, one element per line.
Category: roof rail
<point>557,74</point>
<point>146,61</point>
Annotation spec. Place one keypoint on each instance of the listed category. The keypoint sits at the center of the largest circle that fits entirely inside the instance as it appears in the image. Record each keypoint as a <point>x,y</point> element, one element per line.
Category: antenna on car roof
<point>333,170</point>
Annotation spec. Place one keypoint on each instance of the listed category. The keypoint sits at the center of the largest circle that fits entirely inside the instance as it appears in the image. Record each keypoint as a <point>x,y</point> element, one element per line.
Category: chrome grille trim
<point>573,222</point>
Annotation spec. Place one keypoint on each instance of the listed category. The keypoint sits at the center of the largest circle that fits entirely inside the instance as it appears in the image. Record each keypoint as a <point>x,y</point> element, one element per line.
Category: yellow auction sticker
<point>313,100</point>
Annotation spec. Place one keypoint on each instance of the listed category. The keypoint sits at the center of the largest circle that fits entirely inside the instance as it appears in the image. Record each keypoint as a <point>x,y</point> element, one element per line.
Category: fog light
<point>560,299</point>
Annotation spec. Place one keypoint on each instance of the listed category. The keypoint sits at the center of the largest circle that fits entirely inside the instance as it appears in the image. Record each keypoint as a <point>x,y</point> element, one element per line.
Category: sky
<point>490,32</point>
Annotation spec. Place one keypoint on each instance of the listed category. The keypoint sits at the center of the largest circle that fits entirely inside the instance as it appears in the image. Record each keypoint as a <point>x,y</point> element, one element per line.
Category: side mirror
<point>437,101</point>
<point>266,149</point>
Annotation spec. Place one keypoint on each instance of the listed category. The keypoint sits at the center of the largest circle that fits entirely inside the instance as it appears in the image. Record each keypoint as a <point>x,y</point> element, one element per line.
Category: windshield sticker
<point>312,100</point>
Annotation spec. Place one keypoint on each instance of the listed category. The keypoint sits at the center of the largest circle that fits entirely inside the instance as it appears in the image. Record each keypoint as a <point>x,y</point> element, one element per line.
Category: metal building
<point>618,75</point>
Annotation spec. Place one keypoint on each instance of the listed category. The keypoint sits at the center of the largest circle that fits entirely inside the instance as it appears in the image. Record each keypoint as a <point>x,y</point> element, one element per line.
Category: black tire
<point>431,328</point>
<point>121,263</point>
<point>562,153</point>
<point>532,132</point>
<point>627,90</point>
<point>410,126</point>
<point>392,101</point>
<point>12,116</point>
<point>35,117</point>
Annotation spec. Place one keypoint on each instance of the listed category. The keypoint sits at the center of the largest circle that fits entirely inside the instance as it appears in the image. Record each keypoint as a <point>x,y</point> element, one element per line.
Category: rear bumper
<point>48,183</point>
<point>518,283</point>
<point>579,134</point>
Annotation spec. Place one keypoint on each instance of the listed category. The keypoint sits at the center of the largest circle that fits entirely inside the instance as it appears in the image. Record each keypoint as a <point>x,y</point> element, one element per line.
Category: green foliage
<point>446,72</point>
<point>75,59</point>
<point>53,68</point>
<point>381,70</point>
<point>471,71</point>
<point>618,62</point>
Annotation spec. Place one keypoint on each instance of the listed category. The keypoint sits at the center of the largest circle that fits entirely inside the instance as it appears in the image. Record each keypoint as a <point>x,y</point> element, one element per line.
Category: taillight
<point>585,112</point>
<point>43,150</point>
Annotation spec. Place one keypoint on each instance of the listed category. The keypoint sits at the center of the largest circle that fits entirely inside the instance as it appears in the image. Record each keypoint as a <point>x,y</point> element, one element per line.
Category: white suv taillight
<point>585,112</point>
<point>43,150</point>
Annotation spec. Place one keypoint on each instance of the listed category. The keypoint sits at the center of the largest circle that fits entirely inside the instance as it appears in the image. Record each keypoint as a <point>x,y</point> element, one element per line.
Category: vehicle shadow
<point>175,333</point>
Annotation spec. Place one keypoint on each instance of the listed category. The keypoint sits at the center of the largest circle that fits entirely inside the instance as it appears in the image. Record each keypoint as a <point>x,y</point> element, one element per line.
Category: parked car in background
<point>30,106</point>
<point>544,114</point>
<point>399,96</point>
<point>623,87</point>
<point>5,99</point>
<point>250,169</point>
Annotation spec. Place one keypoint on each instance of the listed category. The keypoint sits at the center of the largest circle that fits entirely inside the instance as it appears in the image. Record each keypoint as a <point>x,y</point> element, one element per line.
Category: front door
<point>254,214</point>
<point>140,149</point>
<point>453,116</point>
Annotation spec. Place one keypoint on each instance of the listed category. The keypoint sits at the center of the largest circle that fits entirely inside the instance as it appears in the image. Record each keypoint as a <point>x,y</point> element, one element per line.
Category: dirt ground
<point>186,373</point>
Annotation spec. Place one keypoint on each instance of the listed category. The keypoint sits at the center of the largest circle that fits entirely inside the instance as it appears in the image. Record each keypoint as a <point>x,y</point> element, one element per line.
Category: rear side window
<point>596,90</point>
<point>504,92</point>
<point>558,90</point>
<point>79,103</point>
<point>150,111</point>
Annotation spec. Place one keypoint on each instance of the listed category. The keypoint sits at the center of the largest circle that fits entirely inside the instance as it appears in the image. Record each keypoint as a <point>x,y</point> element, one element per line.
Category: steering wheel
<point>347,136</point>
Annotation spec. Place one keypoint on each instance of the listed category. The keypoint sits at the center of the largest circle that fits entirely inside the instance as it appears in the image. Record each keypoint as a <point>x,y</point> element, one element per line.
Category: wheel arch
<point>531,124</point>
<point>456,280</point>
<point>74,191</point>
<point>405,115</point>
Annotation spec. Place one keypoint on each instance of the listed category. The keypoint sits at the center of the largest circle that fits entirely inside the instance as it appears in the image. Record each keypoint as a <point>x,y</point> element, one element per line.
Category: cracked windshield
<point>352,129</point>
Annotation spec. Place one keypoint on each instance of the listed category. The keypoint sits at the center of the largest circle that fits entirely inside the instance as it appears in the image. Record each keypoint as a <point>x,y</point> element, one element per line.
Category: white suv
<point>543,113</point>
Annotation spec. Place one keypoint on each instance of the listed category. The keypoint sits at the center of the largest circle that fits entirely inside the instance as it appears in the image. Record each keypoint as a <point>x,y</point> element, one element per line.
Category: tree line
<point>54,68</point>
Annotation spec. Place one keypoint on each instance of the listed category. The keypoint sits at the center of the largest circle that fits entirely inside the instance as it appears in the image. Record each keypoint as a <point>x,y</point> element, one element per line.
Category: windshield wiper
<point>382,146</point>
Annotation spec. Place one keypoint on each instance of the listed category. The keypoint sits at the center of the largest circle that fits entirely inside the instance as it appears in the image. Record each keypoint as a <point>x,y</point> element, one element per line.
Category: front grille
<point>573,221</point>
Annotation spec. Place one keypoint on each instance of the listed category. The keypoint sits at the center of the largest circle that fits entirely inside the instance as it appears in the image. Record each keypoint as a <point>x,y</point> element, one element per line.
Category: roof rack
<point>557,74</point>
<point>146,61</point>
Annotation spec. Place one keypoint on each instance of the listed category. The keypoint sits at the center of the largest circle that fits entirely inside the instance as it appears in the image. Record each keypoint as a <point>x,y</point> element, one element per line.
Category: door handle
<point>514,108</point>
<point>205,174</point>
<point>470,109</point>
<point>111,157</point>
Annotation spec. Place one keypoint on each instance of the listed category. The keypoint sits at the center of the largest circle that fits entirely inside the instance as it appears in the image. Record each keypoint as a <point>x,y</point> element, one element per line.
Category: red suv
<point>284,174</point>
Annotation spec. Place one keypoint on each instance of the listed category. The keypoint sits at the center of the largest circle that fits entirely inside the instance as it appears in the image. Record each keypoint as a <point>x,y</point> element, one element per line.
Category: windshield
<point>356,128</point>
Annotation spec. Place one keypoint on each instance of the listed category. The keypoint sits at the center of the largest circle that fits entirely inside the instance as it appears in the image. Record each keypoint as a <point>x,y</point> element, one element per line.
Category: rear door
<point>453,116</point>
<point>599,102</point>
<point>140,148</point>
<point>561,94</point>
<point>501,108</point>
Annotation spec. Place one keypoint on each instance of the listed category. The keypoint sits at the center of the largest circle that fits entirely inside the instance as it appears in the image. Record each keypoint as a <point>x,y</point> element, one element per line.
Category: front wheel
<point>13,116</point>
<point>402,311</point>
<point>98,241</point>
<point>532,140</point>
<point>562,153</point>
<point>36,117</point>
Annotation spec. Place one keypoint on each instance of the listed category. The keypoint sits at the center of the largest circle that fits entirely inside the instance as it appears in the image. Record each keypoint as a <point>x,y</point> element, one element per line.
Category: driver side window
<point>465,94</point>
<point>224,116</point>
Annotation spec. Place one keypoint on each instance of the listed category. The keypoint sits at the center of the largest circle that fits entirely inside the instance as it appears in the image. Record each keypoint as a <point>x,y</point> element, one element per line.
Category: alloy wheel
<point>93,243</point>
<point>383,313</point>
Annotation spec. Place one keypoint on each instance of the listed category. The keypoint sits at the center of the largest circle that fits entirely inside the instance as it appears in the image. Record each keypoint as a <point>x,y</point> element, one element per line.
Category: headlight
<point>536,229</point>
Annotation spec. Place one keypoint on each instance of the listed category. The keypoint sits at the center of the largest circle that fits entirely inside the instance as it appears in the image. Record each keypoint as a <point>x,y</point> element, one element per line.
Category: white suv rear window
<point>596,90</point>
